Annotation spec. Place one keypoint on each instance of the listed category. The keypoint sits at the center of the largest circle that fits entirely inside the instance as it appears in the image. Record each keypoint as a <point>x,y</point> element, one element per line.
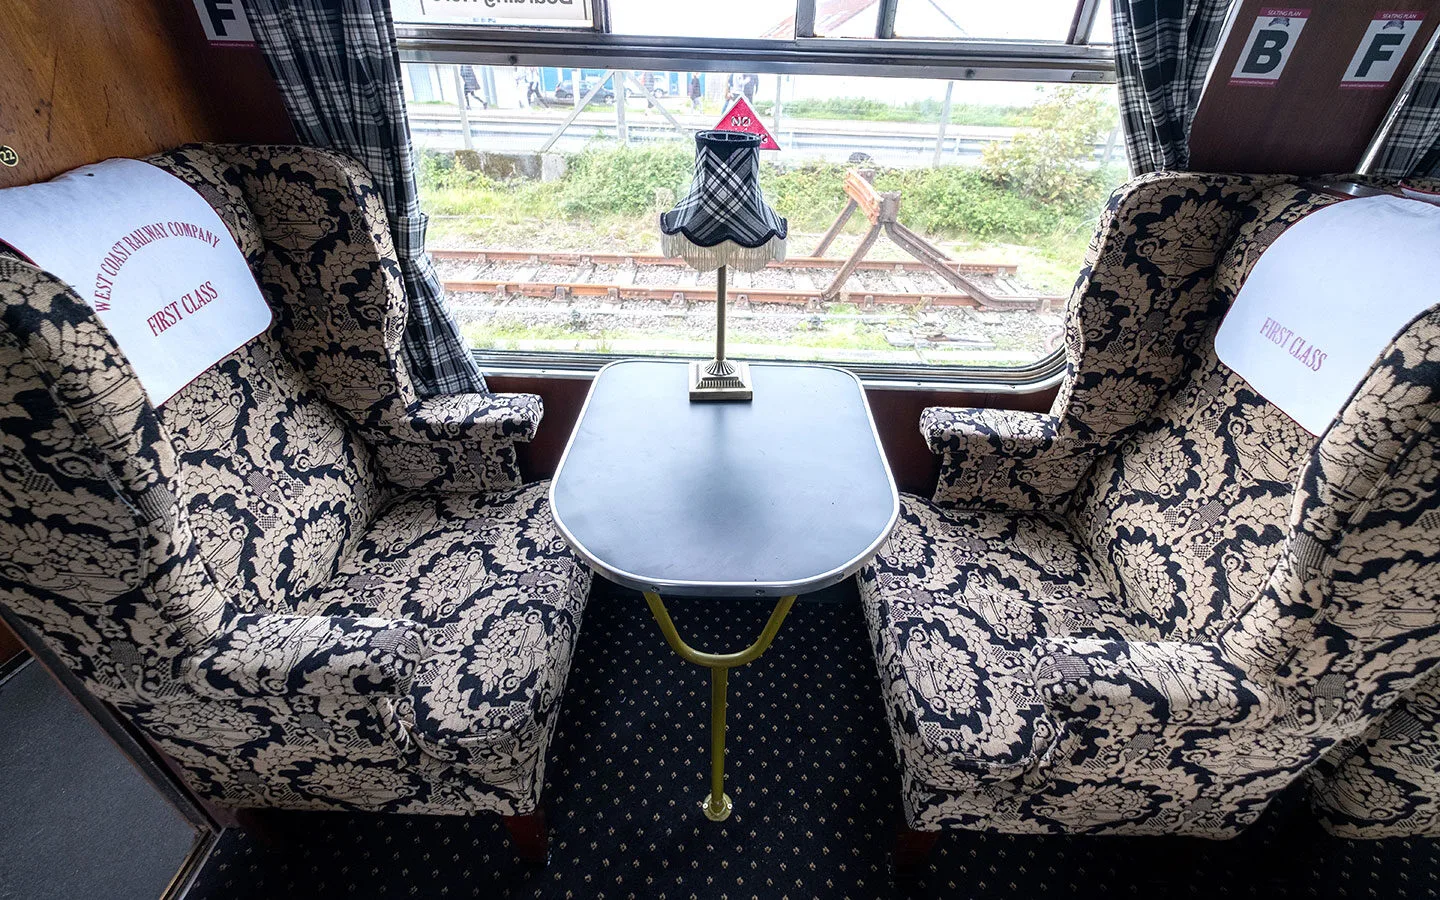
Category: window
<point>544,176</point>
<point>1046,20</point>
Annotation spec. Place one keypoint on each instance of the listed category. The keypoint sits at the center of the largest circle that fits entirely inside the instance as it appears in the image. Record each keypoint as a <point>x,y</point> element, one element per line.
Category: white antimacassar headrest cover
<point>1326,299</point>
<point>150,256</point>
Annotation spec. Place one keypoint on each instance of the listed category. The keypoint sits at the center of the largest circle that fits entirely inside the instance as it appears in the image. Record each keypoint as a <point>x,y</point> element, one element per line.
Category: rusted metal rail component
<point>679,296</point>
<point>883,211</point>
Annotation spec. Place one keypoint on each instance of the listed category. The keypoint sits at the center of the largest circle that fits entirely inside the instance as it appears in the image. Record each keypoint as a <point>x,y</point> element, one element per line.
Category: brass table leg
<point>717,805</point>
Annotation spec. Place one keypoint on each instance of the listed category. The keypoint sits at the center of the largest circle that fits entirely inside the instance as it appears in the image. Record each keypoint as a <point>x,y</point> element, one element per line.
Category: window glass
<point>732,19</point>
<point>537,13</point>
<point>1103,32</point>
<point>547,236</point>
<point>1018,20</point>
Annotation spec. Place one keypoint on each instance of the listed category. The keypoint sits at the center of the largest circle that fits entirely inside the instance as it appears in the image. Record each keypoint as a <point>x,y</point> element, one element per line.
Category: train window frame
<point>1074,61</point>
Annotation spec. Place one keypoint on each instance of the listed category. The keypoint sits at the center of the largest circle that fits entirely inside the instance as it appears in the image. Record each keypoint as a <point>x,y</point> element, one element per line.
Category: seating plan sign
<point>1381,48</point>
<point>1271,40</point>
<point>1325,300</point>
<point>150,256</point>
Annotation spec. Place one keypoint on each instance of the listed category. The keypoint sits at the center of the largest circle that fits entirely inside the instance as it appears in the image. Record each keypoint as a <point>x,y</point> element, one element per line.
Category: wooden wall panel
<point>897,418</point>
<point>10,646</point>
<point>84,80</point>
<point>1305,123</point>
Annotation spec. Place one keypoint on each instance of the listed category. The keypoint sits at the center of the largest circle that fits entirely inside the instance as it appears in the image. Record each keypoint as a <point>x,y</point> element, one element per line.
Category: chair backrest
<point>128,534</point>
<point>277,485</point>
<point>1189,513</point>
<point>1313,561</point>
<point>1347,619</point>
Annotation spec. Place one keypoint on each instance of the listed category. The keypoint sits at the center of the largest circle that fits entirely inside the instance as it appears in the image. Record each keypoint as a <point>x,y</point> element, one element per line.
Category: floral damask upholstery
<point>307,586</point>
<point>1150,609</point>
<point>1386,784</point>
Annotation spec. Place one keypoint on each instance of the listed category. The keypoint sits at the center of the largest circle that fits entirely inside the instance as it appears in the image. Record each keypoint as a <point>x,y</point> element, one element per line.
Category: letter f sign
<point>224,21</point>
<point>1381,49</point>
<point>220,12</point>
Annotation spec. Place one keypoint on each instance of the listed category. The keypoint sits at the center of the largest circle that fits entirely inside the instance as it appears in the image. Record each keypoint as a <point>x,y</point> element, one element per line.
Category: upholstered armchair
<point>310,588</point>
<point>1150,609</point>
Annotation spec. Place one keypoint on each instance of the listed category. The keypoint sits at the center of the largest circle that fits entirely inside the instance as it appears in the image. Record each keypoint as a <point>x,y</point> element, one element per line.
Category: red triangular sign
<point>741,116</point>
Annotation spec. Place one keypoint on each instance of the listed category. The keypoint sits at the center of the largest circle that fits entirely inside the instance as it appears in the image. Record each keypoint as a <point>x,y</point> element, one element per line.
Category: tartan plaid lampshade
<point>724,221</point>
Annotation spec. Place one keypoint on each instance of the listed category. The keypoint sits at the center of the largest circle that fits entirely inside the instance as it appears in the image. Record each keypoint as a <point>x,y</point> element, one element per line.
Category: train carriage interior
<point>653,449</point>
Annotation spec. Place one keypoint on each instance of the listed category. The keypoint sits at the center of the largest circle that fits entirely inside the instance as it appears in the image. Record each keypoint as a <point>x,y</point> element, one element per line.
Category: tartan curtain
<point>1411,146</point>
<point>1162,51</point>
<point>339,72</point>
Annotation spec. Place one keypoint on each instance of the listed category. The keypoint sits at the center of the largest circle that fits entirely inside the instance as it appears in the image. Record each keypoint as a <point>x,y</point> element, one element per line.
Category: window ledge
<point>1038,376</point>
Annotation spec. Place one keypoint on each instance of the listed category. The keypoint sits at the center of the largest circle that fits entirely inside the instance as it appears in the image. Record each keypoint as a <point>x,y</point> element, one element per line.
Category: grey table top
<point>785,494</point>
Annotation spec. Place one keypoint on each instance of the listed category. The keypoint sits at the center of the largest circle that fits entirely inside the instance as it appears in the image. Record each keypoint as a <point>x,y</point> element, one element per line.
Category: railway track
<point>798,281</point>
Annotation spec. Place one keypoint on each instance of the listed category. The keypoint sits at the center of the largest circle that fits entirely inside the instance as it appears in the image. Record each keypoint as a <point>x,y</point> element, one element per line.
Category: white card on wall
<point>150,256</point>
<point>570,13</point>
<point>1325,300</point>
<point>1272,39</point>
<point>1381,48</point>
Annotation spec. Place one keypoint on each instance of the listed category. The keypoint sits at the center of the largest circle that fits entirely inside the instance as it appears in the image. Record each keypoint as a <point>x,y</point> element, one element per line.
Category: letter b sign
<point>1266,54</point>
<point>1267,48</point>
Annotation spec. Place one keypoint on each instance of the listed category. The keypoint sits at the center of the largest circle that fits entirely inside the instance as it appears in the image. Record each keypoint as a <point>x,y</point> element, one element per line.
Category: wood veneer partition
<point>1305,122</point>
<point>85,80</point>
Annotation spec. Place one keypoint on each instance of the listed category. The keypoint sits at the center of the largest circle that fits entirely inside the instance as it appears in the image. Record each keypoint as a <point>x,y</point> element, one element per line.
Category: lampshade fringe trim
<point>725,253</point>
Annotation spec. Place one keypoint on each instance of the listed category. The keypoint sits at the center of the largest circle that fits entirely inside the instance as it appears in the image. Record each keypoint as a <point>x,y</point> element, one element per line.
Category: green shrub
<point>438,171</point>
<point>962,202</point>
<point>1051,161</point>
<point>1015,196</point>
<point>810,196</point>
<point>609,179</point>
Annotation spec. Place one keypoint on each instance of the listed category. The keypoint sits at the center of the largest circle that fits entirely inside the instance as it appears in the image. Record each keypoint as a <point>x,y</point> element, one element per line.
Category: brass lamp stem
<point>718,365</point>
<point>720,379</point>
<point>720,317</point>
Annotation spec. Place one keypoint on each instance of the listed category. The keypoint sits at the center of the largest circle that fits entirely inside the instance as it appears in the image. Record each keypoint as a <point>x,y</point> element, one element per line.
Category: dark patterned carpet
<point>814,782</point>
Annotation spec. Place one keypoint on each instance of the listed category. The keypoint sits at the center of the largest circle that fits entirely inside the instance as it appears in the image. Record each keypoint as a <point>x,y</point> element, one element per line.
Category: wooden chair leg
<point>267,827</point>
<point>912,852</point>
<point>531,837</point>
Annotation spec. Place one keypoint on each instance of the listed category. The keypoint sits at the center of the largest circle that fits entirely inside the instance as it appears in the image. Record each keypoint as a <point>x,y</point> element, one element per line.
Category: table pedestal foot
<point>717,812</point>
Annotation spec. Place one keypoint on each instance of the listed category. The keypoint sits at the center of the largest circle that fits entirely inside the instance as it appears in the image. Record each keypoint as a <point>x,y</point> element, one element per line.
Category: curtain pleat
<point>338,69</point>
<point>1411,146</point>
<point>1162,52</point>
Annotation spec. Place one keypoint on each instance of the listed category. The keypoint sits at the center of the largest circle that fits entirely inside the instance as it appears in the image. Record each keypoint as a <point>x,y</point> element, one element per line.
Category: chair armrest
<point>473,418</point>
<point>271,655</point>
<point>1003,458</point>
<point>458,443</point>
<point>1169,682</point>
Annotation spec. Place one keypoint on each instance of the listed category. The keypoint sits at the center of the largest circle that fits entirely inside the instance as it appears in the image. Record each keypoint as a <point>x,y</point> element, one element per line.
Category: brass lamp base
<point>720,380</point>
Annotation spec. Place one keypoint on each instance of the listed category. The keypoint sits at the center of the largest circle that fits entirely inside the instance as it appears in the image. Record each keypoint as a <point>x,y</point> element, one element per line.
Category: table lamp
<point>723,222</point>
